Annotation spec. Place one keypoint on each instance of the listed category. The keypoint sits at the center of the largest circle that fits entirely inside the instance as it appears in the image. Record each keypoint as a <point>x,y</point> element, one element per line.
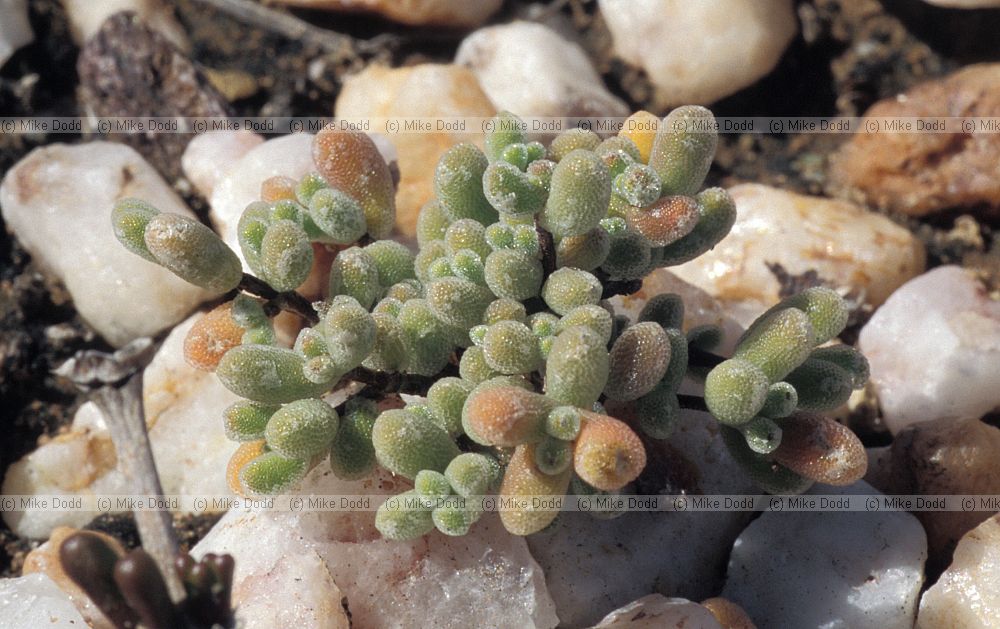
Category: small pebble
<point>547,76</point>
<point>829,568</point>
<point>967,595</point>
<point>656,611</point>
<point>698,52</point>
<point>925,172</point>
<point>486,578</point>
<point>86,17</point>
<point>209,156</point>
<point>36,601</point>
<point>933,348</point>
<point>627,557</point>
<point>15,30</point>
<point>184,413</point>
<point>846,246</point>
<point>58,202</point>
<point>939,458</point>
<point>239,185</point>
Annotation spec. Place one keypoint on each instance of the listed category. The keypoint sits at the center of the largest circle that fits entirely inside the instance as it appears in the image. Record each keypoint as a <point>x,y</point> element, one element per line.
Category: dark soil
<point>849,54</point>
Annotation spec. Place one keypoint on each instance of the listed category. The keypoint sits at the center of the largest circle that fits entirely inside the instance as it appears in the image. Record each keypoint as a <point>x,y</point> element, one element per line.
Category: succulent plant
<point>527,382</point>
<point>130,590</point>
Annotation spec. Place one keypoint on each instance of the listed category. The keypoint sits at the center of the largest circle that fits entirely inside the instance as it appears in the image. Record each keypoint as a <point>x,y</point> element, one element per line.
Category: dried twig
<point>291,27</point>
<point>115,383</point>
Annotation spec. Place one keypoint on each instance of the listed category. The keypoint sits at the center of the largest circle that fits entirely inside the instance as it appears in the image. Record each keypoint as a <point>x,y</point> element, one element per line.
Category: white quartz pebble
<point>209,156</point>
<point>934,350</point>
<point>593,565</point>
<point>829,568</point>
<point>34,602</point>
<point>58,203</point>
<point>288,156</point>
<point>698,52</point>
<point>656,611</point>
<point>531,70</point>
<point>967,595</point>
<point>86,17</point>
<point>485,579</point>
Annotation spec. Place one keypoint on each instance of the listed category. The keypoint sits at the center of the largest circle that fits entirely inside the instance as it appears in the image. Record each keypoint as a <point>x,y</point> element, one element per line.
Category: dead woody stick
<point>115,384</point>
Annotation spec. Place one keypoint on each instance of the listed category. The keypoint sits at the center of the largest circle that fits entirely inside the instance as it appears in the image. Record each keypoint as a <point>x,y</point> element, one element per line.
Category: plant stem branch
<point>379,383</point>
<point>692,402</point>
<point>616,287</point>
<point>547,244</point>
<point>698,357</point>
<point>290,300</point>
<point>620,287</point>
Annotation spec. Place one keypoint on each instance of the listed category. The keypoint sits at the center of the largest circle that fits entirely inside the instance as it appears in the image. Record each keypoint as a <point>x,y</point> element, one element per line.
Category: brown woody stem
<point>698,357</point>
<point>692,402</point>
<point>290,301</point>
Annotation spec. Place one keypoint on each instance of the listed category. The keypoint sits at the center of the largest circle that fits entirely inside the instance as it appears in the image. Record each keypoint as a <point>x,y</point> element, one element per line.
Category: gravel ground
<point>849,54</point>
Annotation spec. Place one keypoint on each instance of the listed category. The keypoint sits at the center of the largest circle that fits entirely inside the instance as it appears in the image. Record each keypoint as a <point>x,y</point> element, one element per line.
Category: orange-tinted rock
<point>920,173</point>
<point>729,614</point>
<point>944,457</point>
<point>457,13</point>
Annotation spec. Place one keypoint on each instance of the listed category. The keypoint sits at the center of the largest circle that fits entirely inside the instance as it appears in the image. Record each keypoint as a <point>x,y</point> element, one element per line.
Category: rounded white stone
<point>934,350</point>
<point>209,156</point>
<point>967,595</point>
<point>836,569</point>
<point>698,52</point>
<point>548,76</point>
<point>35,601</point>
<point>58,202</point>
